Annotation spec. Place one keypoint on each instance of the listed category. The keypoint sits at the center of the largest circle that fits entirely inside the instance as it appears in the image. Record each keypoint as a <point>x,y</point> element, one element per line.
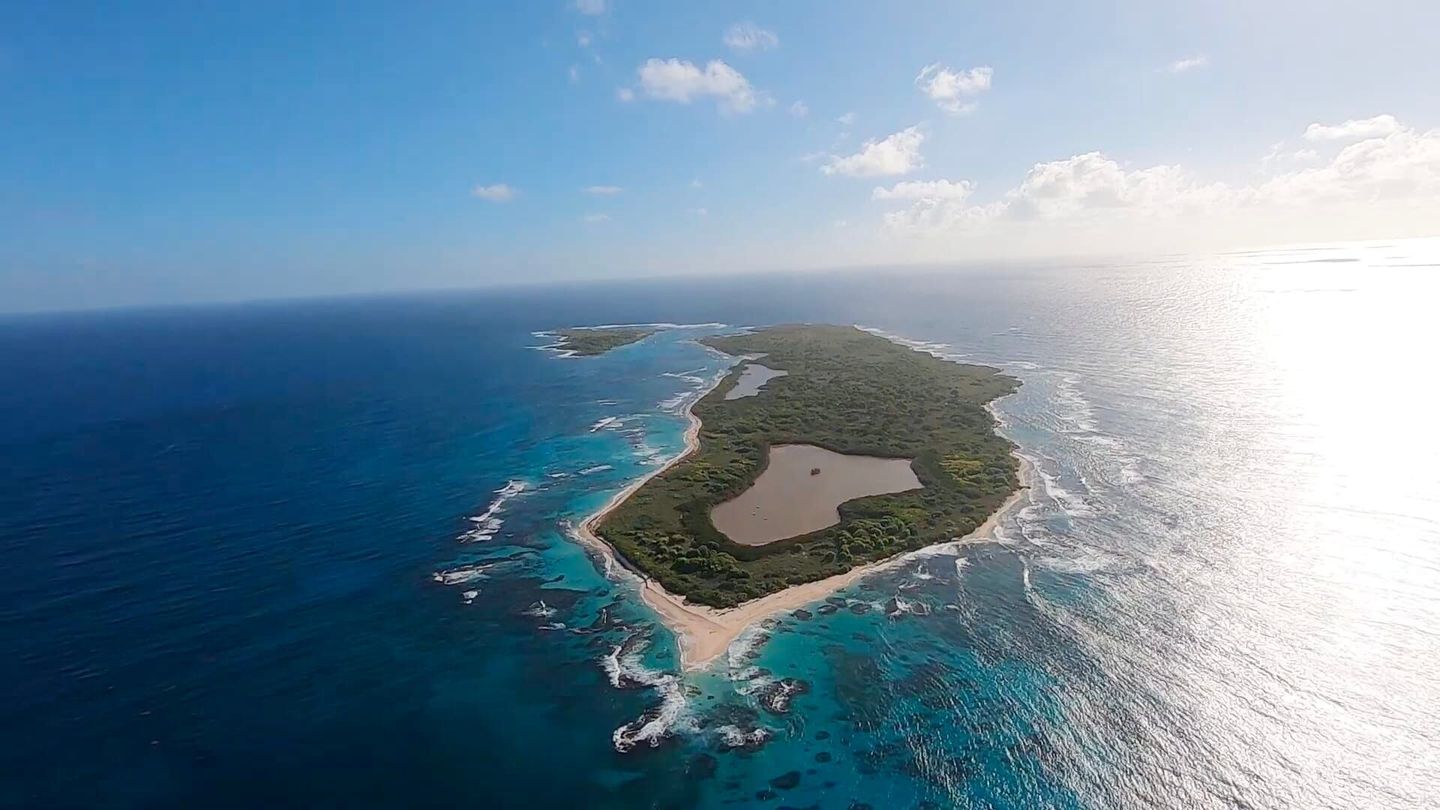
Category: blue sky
<point>170,152</point>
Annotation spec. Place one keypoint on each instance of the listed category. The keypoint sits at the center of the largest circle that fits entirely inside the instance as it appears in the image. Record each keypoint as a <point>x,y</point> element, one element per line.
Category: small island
<point>593,341</point>
<point>854,450</point>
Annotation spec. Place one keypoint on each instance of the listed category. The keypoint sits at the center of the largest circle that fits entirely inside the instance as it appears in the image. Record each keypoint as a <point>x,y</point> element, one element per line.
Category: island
<point>852,451</point>
<point>593,341</point>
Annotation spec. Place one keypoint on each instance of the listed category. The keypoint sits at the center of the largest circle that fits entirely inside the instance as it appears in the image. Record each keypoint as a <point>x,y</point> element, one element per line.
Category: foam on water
<point>461,574</point>
<point>932,348</point>
<point>487,523</point>
<point>625,669</point>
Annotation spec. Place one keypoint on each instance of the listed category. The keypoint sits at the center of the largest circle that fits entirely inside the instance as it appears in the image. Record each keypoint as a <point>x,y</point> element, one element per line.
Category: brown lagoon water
<point>787,500</point>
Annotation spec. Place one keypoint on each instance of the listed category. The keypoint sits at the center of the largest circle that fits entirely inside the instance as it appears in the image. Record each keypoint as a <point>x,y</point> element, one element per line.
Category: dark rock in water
<point>770,624</point>
<point>927,805</point>
<point>803,615</point>
<point>836,600</point>
<point>823,756</point>
<point>786,781</point>
<point>702,767</point>
<point>860,806</point>
<point>775,697</point>
<point>766,795</point>
<point>822,735</point>
<point>731,784</point>
<point>826,610</point>
<point>859,608</point>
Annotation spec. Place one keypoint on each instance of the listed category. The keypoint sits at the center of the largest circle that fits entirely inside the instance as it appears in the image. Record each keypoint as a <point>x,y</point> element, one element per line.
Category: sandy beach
<point>705,633</point>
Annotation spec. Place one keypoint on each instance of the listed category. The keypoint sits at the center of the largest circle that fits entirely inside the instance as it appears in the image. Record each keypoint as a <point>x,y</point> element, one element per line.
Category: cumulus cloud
<point>1402,165</point>
<point>593,8</point>
<point>1377,127</point>
<point>846,120</point>
<point>683,81</point>
<point>954,91</point>
<point>747,36</point>
<point>925,190</point>
<point>498,192</point>
<point>596,218</point>
<point>1189,63</point>
<point>895,154</point>
<point>625,94</point>
<point>799,109</point>
<point>602,191</point>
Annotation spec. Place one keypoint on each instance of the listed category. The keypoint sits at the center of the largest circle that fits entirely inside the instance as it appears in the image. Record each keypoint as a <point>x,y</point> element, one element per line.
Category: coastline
<point>705,633</point>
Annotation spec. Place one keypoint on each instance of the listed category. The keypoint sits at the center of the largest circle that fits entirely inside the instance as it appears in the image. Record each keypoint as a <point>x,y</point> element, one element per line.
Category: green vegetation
<point>590,342</point>
<point>847,391</point>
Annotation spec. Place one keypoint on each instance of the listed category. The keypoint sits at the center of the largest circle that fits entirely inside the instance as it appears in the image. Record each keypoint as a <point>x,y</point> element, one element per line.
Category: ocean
<point>314,554</point>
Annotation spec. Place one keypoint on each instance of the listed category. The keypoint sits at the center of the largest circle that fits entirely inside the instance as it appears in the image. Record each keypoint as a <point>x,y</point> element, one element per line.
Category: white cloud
<point>1401,167</point>
<point>574,73</point>
<point>602,191</point>
<point>583,39</point>
<point>1189,63</point>
<point>595,218</point>
<point>594,8</point>
<point>925,190</point>
<point>1377,127</point>
<point>625,94</point>
<point>699,212</point>
<point>799,109</point>
<point>499,192</point>
<point>683,81</point>
<point>895,154</point>
<point>696,183</point>
<point>747,36</point>
<point>846,120</point>
<point>954,91</point>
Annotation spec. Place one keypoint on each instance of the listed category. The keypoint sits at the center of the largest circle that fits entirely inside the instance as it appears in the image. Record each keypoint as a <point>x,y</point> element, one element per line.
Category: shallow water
<point>801,489</point>
<point>219,530</point>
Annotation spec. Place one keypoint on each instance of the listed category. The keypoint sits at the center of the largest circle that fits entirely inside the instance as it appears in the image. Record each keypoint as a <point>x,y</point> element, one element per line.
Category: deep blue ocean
<point>314,554</point>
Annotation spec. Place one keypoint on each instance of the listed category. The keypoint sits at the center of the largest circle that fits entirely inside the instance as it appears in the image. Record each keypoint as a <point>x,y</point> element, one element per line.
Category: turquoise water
<point>221,529</point>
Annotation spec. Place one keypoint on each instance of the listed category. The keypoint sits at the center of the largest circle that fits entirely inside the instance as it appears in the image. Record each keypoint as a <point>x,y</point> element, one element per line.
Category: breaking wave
<point>624,667</point>
<point>487,523</point>
<point>932,348</point>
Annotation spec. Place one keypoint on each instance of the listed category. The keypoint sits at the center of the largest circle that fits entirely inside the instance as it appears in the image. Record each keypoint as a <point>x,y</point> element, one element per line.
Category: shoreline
<point>704,633</point>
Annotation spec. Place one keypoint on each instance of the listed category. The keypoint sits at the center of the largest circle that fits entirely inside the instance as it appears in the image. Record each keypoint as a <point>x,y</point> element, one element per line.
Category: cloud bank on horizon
<point>579,136</point>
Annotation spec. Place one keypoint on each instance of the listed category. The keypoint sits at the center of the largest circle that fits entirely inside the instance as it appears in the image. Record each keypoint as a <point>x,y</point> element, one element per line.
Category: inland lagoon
<point>801,491</point>
<point>752,378</point>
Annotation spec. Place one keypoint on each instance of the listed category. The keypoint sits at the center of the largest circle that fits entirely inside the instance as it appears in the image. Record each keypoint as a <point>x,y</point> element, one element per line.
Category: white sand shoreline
<point>705,633</point>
